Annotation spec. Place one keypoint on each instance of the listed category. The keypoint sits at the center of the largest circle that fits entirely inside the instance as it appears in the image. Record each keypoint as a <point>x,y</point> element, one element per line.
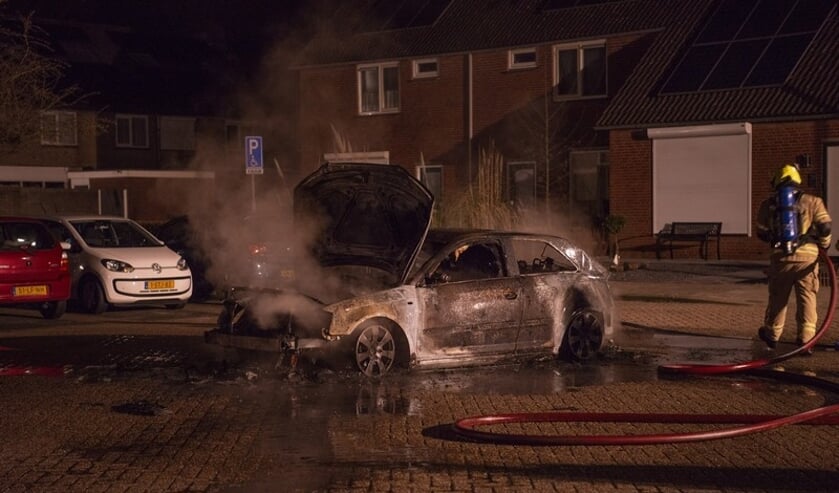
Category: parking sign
<point>253,155</point>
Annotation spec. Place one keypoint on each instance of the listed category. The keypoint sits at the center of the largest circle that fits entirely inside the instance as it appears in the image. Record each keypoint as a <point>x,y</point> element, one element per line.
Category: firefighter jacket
<point>814,225</point>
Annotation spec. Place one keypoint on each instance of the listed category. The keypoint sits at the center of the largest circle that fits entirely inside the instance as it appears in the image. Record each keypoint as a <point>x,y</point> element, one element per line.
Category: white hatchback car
<point>116,261</point>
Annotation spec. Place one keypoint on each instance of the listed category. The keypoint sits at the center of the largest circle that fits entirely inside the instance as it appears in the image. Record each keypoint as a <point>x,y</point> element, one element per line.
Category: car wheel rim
<point>585,335</point>
<point>375,350</point>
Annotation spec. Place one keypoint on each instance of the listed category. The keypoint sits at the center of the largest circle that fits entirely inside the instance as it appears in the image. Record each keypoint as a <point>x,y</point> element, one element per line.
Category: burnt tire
<point>379,346</point>
<point>91,297</point>
<point>52,310</point>
<point>583,336</point>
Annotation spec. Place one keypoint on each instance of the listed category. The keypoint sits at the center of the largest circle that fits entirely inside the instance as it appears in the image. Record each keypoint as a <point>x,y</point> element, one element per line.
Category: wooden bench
<point>688,232</point>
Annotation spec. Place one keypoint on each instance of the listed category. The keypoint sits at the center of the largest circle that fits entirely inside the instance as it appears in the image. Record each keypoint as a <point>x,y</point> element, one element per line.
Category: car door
<point>470,309</point>
<point>546,276</point>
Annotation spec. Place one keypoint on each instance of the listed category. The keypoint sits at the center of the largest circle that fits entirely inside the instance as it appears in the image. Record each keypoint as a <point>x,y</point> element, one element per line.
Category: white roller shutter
<point>703,174</point>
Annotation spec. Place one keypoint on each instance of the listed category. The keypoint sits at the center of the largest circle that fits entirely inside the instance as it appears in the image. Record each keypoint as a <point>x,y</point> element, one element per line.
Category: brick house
<point>592,104</point>
<point>714,107</point>
<point>147,110</point>
<point>530,77</point>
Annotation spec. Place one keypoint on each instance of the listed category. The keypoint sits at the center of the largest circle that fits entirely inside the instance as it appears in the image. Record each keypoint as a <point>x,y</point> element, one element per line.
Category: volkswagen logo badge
<point>156,268</point>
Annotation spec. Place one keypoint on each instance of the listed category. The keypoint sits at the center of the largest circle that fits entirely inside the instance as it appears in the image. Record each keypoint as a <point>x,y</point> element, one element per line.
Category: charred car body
<point>407,296</point>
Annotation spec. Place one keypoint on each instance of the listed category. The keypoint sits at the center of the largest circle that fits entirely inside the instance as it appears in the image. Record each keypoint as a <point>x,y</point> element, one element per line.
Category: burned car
<point>397,294</point>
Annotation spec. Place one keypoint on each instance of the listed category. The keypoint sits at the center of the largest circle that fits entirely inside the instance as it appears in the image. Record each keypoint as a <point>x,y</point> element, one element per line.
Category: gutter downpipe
<point>470,126</point>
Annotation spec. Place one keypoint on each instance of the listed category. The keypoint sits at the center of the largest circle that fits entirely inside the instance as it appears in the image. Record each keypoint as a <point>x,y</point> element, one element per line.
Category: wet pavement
<point>143,405</point>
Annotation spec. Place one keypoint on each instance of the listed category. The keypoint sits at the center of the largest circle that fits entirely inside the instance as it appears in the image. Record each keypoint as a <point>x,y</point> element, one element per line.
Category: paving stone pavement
<point>199,433</point>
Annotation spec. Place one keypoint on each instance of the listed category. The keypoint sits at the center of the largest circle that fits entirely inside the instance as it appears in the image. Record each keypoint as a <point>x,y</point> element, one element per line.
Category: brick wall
<point>35,154</point>
<point>430,121</point>
<point>773,144</point>
<point>37,201</point>
<point>434,114</point>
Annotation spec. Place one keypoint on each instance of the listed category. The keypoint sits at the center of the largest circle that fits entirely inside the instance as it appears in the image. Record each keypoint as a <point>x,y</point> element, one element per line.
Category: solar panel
<point>780,59</point>
<point>735,64</point>
<point>384,15</point>
<point>747,43</point>
<point>805,17</point>
<point>765,20</point>
<point>567,4</point>
<point>694,67</point>
<point>725,22</point>
<point>428,14</point>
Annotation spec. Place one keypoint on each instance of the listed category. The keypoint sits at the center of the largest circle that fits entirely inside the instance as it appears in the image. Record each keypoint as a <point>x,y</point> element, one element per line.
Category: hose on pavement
<point>468,427</point>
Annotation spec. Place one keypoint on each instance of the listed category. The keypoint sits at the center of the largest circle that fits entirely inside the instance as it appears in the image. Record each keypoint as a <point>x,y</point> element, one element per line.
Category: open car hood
<point>375,215</point>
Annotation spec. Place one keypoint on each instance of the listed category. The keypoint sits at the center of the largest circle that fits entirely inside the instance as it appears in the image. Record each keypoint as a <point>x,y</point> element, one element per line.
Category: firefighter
<point>795,224</point>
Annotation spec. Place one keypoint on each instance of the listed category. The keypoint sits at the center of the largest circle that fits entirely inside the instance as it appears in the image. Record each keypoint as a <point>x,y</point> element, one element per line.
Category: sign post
<point>253,163</point>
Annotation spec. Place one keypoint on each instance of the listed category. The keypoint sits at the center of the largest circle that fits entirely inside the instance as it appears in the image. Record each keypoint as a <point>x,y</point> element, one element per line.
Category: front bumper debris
<point>260,343</point>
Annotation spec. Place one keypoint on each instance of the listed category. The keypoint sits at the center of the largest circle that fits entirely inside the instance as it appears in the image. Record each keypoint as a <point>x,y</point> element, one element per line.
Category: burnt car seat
<point>477,262</point>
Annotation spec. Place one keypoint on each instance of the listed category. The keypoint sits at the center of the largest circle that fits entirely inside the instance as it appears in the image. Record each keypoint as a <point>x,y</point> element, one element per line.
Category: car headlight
<point>182,264</point>
<point>117,265</point>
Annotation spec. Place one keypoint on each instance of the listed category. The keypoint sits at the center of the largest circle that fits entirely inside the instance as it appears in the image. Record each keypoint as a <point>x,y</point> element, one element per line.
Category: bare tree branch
<point>30,79</point>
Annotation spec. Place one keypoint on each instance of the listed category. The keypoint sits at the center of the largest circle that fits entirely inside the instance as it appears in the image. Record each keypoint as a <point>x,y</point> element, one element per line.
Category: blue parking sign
<point>253,155</point>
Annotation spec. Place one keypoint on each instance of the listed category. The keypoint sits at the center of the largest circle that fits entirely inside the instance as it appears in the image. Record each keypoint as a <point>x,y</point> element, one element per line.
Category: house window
<point>580,70</point>
<point>425,68</point>
<point>132,130</point>
<point>521,184</point>
<point>235,132</point>
<point>522,58</point>
<point>177,133</point>
<point>58,128</point>
<point>590,182</point>
<point>432,177</point>
<point>378,88</point>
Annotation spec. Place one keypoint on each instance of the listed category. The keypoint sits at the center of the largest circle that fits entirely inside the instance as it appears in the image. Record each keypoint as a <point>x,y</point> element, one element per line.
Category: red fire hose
<point>467,427</point>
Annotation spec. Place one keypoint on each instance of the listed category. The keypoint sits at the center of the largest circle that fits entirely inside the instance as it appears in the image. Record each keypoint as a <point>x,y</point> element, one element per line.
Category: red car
<point>34,267</point>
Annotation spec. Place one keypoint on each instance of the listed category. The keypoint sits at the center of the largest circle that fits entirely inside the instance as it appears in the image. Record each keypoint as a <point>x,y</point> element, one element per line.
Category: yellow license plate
<point>40,290</point>
<point>287,274</point>
<point>158,285</point>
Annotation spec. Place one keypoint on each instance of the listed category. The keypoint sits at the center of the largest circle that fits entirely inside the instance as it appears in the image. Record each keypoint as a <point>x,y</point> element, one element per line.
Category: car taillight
<point>64,265</point>
<point>258,249</point>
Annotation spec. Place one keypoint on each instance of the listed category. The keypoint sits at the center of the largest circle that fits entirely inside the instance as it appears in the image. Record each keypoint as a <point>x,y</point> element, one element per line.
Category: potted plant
<point>612,225</point>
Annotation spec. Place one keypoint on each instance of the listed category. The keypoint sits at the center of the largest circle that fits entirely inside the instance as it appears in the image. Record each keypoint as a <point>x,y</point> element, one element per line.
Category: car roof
<point>86,217</point>
<point>448,235</point>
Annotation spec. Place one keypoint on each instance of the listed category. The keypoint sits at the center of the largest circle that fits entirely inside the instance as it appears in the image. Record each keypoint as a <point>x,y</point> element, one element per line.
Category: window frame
<point>579,48</point>
<point>511,168</point>
<point>56,130</point>
<point>602,166</point>
<point>519,245</point>
<point>380,80</point>
<point>511,58</point>
<point>422,168</point>
<point>416,73</point>
<point>131,133</point>
<point>419,170</point>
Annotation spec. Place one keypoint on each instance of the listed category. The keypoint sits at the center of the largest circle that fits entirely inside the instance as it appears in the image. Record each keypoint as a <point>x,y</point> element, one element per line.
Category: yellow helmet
<point>788,173</point>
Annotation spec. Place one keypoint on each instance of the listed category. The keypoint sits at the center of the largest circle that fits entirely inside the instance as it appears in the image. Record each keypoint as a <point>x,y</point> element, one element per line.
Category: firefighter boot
<point>765,335</point>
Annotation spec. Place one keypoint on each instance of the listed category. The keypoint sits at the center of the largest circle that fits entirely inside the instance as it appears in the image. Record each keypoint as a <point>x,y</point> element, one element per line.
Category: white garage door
<point>703,174</point>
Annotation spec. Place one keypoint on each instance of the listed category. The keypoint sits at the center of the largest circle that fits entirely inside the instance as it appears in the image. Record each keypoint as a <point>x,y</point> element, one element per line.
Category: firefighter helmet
<point>787,174</point>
